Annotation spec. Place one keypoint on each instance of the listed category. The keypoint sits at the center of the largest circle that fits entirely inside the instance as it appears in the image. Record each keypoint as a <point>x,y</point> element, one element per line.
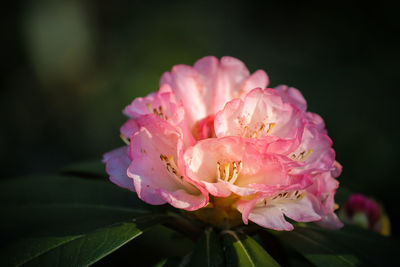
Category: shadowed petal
<point>117,162</point>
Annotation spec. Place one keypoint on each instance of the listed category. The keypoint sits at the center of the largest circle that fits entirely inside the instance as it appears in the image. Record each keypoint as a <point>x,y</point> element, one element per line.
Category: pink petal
<point>270,217</point>
<point>165,106</point>
<point>238,190</point>
<point>138,106</point>
<point>224,122</point>
<point>337,169</point>
<point>129,128</point>
<point>259,79</point>
<point>317,120</point>
<point>232,73</point>
<point>164,98</point>
<point>245,206</point>
<point>117,162</point>
<point>316,150</point>
<point>293,96</point>
<point>208,69</point>
<point>218,189</point>
<point>188,87</point>
<point>264,169</point>
<point>330,221</point>
<point>324,189</point>
<point>305,210</point>
<point>260,208</point>
<point>153,178</point>
<point>180,199</point>
<point>226,80</point>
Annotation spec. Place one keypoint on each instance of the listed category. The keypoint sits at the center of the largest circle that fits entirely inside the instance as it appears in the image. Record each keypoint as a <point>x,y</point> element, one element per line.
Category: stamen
<point>148,105</point>
<point>258,132</point>
<point>125,139</point>
<point>229,172</point>
<point>283,197</point>
<point>171,167</point>
<point>302,156</point>
<point>172,162</point>
<point>226,171</point>
<point>235,173</point>
<point>270,127</point>
<point>157,111</point>
<point>246,129</point>
<point>219,170</point>
<point>300,196</point>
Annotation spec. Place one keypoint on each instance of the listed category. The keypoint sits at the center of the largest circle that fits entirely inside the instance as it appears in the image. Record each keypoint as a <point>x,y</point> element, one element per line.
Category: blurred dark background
<point>70,67</point>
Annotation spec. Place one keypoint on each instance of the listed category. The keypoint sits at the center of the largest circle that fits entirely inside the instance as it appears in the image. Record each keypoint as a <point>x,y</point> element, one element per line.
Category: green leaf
<point>342,194</point>
<point>242,250</point>
<point>49,189</point>
<point>151,247</point>
<point>48,212</point>
<point>349,246</point>
<point>208,251</point>
<point>68,204</point>
<point>84,249</point>
<point>170,262</point>
<point>87,169</point>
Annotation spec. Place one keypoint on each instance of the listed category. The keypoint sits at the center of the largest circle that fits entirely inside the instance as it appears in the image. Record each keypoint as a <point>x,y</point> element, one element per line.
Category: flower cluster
<point>215,132</point>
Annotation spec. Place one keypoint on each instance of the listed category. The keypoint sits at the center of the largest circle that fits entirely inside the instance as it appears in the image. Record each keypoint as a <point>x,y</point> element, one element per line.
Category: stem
<point>184,226</point>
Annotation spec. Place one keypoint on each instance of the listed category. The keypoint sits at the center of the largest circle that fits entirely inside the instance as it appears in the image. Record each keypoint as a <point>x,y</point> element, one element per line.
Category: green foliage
<point>85,249</point>
<point>66,219</point>
<point>56,220</point>
<point>208,251</point>
<point>350,246</point>
<point>242,250</point>
<point>87,169</point>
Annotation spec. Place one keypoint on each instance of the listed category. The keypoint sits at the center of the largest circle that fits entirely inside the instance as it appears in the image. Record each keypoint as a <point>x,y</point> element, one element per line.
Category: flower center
<point>220,212</point>
<point>229,171</point>
<point>204,128</point>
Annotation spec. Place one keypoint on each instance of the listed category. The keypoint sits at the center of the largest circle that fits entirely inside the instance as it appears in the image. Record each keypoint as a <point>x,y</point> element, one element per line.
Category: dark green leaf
<point>89,169</point>
<point>48,212</point>
<point>349,246</point>
<point>342,194</point>
<point>208,251</point>
<point>68,204</point>
<point>50,189</point>
<point>170,262</point>
<point>242,250</point>
<point>151,247</point>
<point>87,248</point>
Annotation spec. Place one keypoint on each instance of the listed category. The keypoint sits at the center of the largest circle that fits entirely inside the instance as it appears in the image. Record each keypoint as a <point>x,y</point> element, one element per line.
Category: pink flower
<point>214,136</point>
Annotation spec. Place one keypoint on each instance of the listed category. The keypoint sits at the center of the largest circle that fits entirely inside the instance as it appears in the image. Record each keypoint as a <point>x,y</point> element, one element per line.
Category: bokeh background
<point>70,67</point>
